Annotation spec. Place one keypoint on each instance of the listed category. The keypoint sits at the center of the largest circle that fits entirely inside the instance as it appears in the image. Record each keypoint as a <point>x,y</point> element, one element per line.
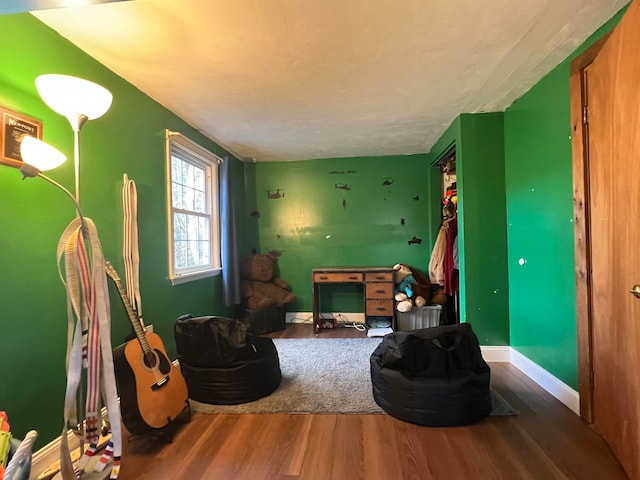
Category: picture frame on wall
<point>15,125</point>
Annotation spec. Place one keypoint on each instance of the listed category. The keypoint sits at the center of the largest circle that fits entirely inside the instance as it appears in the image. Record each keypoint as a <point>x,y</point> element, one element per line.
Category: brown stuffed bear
<point>260,285</point>
<point>419,286</point>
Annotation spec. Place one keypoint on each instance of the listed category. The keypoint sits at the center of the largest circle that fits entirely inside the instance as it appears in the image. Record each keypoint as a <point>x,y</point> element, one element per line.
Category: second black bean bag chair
<point>222,363</point>
<point>432,376</point>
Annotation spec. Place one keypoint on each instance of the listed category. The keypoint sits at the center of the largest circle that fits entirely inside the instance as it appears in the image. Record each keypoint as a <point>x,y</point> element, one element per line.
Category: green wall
<point>484,292</point>
<point>310,224</point>
<point>483,242</point>
<point>540,219</point>
<point>316,224</point>
<point>128,139</point>
<point>539,186</point>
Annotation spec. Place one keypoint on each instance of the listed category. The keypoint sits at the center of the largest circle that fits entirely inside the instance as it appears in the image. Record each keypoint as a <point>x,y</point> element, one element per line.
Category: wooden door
<point>607,136</point>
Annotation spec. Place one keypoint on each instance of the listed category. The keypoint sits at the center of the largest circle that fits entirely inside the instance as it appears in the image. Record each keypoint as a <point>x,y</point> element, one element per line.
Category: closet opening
<point>444,268</point>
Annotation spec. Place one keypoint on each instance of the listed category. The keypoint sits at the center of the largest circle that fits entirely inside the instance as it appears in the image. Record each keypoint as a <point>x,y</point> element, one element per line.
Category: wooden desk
<point>378,289</point>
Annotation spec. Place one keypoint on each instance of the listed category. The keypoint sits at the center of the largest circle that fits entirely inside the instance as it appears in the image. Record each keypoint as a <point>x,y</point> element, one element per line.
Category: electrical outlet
<point>149,328</point>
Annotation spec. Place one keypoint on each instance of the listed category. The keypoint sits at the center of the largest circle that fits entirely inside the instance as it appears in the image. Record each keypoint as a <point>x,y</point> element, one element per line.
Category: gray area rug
<point>319,375</point>
<point>323,375</point>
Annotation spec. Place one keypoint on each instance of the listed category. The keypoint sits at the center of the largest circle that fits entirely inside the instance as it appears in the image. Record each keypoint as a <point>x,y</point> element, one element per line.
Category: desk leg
<point>316,306</point>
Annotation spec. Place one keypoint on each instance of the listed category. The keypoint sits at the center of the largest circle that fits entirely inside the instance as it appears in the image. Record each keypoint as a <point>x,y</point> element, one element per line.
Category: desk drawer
<point>378,276</point>
<point>337,277</point>
<point>379,307</point>
<point>379,290</point>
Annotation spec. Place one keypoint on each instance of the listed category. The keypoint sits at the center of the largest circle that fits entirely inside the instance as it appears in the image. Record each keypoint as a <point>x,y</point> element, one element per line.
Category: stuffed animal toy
<point>404,280</point>
<point>413,288</point>
<point>260,285</point>
<point>434,294</point>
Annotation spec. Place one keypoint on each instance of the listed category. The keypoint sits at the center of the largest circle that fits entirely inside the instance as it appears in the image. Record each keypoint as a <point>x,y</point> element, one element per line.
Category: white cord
<point>358,326</point>
<point>343,321</point>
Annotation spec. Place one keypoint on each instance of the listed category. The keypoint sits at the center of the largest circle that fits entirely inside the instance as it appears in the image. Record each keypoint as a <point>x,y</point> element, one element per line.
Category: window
<point>193,216</point>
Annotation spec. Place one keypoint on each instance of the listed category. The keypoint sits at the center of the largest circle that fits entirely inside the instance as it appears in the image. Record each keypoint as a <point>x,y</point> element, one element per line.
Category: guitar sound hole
<point>156,360</point>
<point>150,359</point>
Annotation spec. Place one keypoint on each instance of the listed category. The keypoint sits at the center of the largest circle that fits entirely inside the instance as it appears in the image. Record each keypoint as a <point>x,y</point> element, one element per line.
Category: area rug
<point>323,375</point>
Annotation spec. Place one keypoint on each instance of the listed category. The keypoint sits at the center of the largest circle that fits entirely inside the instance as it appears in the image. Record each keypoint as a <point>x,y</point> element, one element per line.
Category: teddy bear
<point>260,285</point>
<point>413,288</point>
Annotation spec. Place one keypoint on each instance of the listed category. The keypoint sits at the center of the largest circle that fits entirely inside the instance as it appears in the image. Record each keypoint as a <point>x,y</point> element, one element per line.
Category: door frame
<point>582,227</point>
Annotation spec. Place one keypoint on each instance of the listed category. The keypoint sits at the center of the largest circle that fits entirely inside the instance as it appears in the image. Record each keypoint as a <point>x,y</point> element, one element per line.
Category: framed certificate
<point>15,126</point>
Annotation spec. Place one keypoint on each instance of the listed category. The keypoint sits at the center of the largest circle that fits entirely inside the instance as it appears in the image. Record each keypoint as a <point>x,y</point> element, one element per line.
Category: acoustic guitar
<point>152,389</point>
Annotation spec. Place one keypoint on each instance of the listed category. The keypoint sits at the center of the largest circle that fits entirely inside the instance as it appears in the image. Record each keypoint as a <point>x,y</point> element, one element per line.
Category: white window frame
<point>193,153</point>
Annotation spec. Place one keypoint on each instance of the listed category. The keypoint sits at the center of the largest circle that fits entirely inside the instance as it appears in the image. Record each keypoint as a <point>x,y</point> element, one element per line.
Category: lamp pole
<point>77,120</point>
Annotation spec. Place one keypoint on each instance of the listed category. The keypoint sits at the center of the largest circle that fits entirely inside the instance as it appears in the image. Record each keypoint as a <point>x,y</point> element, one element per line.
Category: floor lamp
<point>80,100</point>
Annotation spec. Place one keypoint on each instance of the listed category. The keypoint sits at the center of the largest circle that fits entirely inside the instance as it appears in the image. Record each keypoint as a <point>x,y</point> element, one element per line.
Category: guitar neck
<point>131,313</point>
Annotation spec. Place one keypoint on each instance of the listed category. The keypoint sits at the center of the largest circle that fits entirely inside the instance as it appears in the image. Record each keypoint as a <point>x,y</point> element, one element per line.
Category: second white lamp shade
<point>40,154</point>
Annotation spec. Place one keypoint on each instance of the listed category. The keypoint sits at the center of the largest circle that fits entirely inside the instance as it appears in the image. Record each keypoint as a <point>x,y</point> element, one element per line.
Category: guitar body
<point>153,391</point>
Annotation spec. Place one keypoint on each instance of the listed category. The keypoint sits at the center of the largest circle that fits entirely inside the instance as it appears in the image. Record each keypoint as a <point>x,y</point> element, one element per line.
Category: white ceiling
<point>280,80</point>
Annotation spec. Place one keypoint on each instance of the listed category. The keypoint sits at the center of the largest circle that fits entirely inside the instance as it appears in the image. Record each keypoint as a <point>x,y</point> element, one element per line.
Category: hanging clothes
<point>436,263</point>
<point>451,281</point>
<point>456,256</point>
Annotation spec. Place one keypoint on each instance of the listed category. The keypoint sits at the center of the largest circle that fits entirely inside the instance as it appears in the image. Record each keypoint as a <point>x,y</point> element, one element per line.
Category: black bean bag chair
<point>432,376</point>
<point>222,363</point>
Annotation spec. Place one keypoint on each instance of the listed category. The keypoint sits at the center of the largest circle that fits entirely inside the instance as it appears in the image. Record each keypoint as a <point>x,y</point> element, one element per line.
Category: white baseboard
<point>556,387</point>
<point>496,354</point>
<point>553,385</point>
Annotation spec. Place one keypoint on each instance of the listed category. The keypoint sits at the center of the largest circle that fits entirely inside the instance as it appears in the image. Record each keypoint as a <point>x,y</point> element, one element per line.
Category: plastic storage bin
<point>419,317</point>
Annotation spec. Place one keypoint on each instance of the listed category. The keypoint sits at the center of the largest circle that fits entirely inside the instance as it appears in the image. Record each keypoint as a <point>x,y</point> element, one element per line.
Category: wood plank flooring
<point>545,441</point>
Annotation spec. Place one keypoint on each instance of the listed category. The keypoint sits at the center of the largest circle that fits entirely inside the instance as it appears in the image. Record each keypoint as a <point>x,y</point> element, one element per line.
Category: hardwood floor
<point>545,441</point>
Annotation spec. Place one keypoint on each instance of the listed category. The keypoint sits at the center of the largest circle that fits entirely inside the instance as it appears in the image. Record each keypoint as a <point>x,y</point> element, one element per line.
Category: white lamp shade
<point>40,154</point>
<point>68,95</point>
